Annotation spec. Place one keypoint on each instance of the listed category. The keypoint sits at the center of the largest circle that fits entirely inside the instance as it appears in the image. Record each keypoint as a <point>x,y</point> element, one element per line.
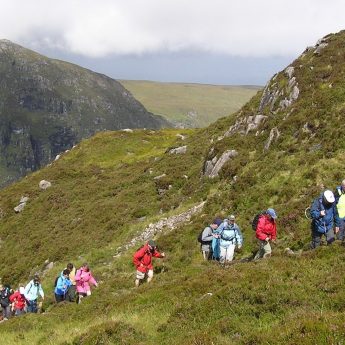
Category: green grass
<point>191,105</point>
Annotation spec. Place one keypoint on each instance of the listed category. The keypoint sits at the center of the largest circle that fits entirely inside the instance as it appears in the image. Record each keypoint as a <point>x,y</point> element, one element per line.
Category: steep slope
<point>284,146</point>
<point>190,105</point>
<point>47,106</point>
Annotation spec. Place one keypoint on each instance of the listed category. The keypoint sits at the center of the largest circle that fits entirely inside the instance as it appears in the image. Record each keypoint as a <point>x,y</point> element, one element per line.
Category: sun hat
<point>272,213</point>
<point>329,196</point>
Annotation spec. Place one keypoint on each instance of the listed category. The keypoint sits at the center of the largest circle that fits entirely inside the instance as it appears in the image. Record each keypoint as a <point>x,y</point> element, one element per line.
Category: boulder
<point>22,204</point>
<point>44,184</point>
<point>57,157</point>
<point>178,150</point>
<point>211,170</point>
<point>127,130</point>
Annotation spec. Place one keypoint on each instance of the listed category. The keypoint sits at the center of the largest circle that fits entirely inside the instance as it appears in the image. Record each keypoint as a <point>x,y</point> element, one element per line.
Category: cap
<point>272,213</point>
<point>217,221</point>
<point>329,196</point>
<point>231,217</point>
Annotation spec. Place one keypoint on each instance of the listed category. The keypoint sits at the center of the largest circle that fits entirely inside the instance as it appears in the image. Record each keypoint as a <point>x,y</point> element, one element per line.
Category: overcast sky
<point>210,41</point>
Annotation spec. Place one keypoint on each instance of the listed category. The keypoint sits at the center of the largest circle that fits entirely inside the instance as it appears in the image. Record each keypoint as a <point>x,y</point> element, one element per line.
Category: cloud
<point>105,27</point>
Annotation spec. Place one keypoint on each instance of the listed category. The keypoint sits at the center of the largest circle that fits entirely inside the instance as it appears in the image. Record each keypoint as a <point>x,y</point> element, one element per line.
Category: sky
<point>206,41</point>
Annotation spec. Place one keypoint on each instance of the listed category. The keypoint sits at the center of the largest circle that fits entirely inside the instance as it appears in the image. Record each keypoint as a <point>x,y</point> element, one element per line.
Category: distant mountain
<point>46,106</point>
<point>190,105</point>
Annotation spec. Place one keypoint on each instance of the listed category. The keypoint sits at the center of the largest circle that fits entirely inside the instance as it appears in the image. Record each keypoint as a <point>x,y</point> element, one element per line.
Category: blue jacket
<point>62,285</point>
<point>324,223</point>
<point>229,234</point>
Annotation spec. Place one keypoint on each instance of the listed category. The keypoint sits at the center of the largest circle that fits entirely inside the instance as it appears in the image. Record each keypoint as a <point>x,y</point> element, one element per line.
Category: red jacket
<point>266,228</point>
<point>142,259</point>
<point>18,299</point>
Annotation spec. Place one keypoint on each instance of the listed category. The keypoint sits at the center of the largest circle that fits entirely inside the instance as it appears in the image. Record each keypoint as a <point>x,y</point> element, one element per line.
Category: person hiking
<point>230,236</point>
<point>83,280</point>
<point>18,301</point>
<point>266,232</point>
<point>62,285</point>
<point>339,195</point>
<point>324,214</point>
<point>71,291</point>
<point>209,244</point>
<point>142,260</point>
<point>31,292</point>
<point>5,293</point>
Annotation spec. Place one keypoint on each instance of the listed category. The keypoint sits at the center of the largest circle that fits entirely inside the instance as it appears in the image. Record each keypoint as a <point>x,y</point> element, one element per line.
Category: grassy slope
<point>284,300</point>
<point>193,105</point>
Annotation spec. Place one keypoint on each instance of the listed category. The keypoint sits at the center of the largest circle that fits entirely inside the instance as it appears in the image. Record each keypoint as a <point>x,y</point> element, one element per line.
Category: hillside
<point>285,144</point>
<point>47,106</point>
<point>190,105</point>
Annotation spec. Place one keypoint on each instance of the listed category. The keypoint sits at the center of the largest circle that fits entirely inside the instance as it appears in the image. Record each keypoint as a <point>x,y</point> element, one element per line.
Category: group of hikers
<point>327,213</point>
<point>71,285</point>
<point>218,241</point>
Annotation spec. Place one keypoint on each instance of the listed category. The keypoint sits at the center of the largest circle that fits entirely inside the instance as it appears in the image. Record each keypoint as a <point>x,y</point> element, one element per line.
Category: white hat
<point>329,196</point>
<point>231,217</point>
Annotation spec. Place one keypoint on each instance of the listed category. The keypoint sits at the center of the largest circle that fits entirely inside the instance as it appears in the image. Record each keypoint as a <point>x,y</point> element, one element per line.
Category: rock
<point>319,48</point>
<point>159,177</point>
<point>22,204</point>
<point>181,136</point>
<point>178,150</point>
<point>289,71</point>
<point>19,208</point>
<point>274,135</point>
<point>24,199</point>
<point>211,170</point>
<point>44,184</point>
<point>254,122</point>
<point>294,93</point>
<point>57,157</point>
<point>127,130</point>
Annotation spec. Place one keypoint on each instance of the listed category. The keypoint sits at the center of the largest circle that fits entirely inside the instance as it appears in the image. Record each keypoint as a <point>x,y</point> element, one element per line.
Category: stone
<point>295,93</point>
<point>274,135</point>
<point>127,130</point>
<point>44,184</point>
<point>159,177</point>
<point>19,208</point>
<point>181,136</point>
<point>57,157</point>
<point>24,200</point>
<point>319,48</point>
<point>289,71</point>
<point>178,150</point>
<point>225,157</point>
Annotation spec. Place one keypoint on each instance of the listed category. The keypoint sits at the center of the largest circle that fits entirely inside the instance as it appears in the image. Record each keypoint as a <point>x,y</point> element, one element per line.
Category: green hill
<point>285,144</point>
<point>190,105</point>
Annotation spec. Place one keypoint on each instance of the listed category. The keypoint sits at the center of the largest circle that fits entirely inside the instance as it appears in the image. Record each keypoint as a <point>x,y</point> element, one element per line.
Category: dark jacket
<point>323,224</point>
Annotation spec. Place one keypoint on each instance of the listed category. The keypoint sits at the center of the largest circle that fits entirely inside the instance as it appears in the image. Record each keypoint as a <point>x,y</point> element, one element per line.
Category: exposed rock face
<point>212,167</point>
<point>46,106</point>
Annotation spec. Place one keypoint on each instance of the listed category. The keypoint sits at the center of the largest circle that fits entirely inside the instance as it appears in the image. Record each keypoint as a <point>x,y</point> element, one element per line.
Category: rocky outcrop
<point>274,135</point>
<point>213,166</point>
<point>22,204</point>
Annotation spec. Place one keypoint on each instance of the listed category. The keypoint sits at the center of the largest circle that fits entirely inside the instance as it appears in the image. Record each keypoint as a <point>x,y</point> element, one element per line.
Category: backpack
<point>255,220</point>
<point>225,237</point>
<point>5,297</point>
<point>200,238</point>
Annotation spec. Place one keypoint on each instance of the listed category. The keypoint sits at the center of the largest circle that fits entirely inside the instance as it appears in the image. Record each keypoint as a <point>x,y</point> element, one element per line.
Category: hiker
<point>209,244</point>
<point>230,236</point>
<point>71,291</point>
<point>5,293</point>
<point>32,290</point>
<point>18,301</point>
<point>324,216</point>
<point>142,260</point>
<point>83,280</point>
<point>266,232</point>
<point>62,285</point>
<point>339,195</point>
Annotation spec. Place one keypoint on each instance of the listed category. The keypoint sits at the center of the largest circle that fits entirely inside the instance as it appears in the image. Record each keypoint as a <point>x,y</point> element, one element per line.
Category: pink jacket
<point>83,280</point>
